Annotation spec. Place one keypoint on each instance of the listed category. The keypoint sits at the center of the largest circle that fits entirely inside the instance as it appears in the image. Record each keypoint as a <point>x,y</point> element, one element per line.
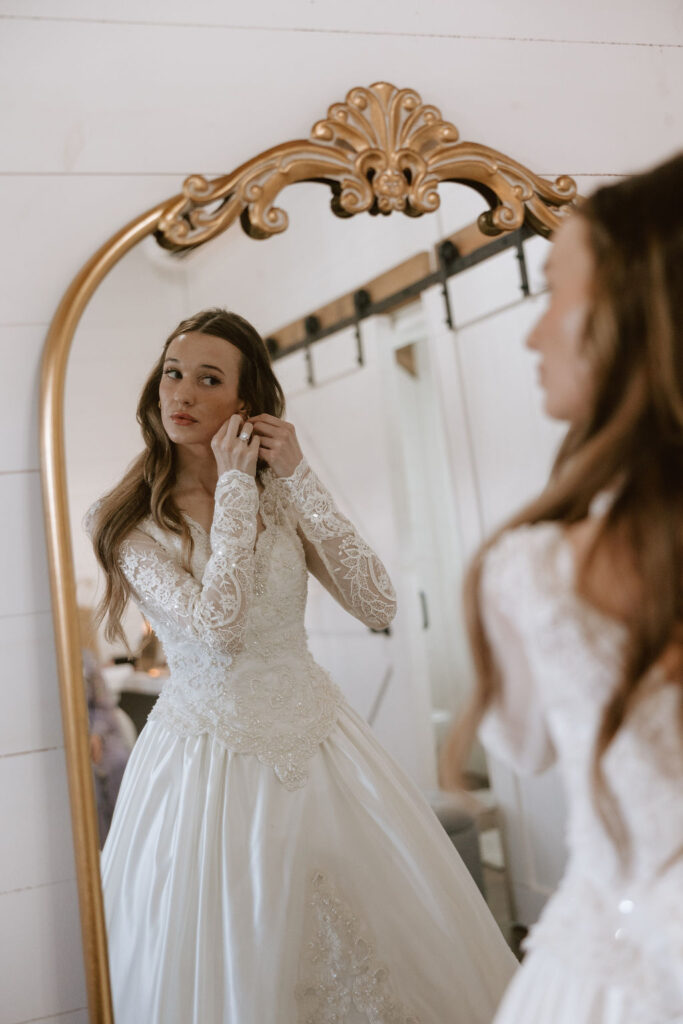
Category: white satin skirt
<point>232,900</point>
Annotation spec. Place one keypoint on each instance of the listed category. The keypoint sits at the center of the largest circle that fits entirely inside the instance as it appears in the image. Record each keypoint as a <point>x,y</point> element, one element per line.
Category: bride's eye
<point>211,381</point>
<point>172,373</point>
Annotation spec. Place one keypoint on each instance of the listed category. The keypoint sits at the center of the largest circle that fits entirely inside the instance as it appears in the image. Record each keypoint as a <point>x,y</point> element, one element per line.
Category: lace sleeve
<point>337,555</point>
<point>214,610</point>
<point>514,727</point>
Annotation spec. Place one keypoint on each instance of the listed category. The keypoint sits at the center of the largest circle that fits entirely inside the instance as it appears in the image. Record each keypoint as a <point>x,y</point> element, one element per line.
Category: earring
<point>159,403</point>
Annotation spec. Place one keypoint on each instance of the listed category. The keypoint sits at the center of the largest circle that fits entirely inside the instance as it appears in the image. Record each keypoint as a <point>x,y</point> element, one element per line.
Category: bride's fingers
<point>265,417</point>
<point>271,426</point>
<point>234,427</point>
<point>266,429</point>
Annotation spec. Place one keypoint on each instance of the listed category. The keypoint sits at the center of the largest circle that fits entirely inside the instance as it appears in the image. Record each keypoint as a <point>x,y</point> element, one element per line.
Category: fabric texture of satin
<point>232,899</point>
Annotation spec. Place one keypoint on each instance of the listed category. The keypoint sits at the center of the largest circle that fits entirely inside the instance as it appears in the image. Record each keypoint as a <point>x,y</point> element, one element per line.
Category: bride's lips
<point>182,418</point>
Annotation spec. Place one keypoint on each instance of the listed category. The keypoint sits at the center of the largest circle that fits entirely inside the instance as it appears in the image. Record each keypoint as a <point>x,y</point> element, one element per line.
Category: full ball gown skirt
<point>232,899</point>
<point>268,862</point>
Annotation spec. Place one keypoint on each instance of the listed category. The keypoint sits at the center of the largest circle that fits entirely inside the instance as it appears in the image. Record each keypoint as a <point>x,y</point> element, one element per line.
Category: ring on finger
<point>245,436</point>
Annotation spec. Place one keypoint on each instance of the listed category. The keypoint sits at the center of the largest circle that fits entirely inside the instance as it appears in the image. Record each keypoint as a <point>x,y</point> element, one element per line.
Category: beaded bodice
<point>232,622</point>
<point>559,660</point>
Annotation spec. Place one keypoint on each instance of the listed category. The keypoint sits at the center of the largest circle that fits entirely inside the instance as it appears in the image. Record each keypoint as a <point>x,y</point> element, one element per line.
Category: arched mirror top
<point>380,151</point>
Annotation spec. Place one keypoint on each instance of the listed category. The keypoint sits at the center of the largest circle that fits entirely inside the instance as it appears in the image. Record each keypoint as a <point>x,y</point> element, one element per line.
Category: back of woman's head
<point>147,487</point>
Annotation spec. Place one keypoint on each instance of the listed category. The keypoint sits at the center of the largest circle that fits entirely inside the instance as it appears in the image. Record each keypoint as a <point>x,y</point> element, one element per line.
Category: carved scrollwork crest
<point>380,151</point>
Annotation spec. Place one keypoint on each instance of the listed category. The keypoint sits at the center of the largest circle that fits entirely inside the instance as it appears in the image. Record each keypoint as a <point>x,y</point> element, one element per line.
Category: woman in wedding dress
<point>576,612</point>
<point>267,863</point>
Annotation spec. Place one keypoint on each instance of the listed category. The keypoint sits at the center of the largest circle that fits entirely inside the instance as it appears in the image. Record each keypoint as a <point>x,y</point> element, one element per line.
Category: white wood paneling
<point>77,1017</point>
<point>20,347</point>
<point>29,692</point>
<point>41,973</point>
<point>95,119</point>
<point>610,21</point>
<point>41,850</point>
<point>23,568</point>
<point>56,223</point>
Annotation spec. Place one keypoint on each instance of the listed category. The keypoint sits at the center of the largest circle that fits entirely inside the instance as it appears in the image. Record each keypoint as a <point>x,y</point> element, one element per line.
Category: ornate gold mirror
<point>381,151</point>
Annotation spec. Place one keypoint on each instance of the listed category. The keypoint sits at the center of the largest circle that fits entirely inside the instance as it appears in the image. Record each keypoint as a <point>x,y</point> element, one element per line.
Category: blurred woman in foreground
<point>576,616</point>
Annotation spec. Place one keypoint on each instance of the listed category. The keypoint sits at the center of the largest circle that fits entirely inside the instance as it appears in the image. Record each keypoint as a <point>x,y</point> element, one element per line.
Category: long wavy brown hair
<point>147,487</point>
<point>632,438</point>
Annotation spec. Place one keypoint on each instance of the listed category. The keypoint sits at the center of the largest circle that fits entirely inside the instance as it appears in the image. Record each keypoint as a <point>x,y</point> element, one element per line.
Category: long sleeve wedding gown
<point>268,863</point>
<point>608,948</point>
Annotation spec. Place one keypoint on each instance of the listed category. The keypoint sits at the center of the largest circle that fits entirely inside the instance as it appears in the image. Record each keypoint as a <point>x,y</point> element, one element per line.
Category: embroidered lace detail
<point>232,626</point>
<point>344,971</point>
<point>625,933</point>
<point>355,571</point>
<point>213,611</point>
<point>279,714</point>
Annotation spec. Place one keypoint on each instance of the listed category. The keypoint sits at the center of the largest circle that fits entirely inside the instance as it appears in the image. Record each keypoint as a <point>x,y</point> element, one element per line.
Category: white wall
<point>104,107</point>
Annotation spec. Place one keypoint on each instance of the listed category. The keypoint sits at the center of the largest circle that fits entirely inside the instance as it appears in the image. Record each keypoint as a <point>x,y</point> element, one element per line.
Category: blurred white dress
<point>608,948</point>
<point>268,862</point>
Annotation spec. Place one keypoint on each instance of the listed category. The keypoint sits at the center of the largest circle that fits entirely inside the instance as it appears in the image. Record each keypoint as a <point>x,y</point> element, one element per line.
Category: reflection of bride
<point>267,862</point>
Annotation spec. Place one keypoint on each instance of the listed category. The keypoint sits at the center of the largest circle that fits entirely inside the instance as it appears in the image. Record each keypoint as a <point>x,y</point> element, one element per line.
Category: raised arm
<point>335,553</point>
<point>213,610</point>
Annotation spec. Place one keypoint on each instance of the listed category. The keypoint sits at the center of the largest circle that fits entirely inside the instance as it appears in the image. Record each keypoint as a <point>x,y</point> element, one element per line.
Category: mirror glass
<point>426,436</point>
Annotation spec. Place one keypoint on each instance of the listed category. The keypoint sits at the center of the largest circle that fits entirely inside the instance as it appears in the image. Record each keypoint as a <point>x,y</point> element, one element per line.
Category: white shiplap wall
<point>104,107</point>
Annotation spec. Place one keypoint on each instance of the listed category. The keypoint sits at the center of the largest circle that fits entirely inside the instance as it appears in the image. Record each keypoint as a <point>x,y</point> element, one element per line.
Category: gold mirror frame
<point>381,150</point>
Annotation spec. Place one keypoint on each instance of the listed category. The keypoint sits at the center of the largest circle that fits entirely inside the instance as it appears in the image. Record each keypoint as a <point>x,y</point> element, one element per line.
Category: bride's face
<point>198,387</point>
<point>564,369</point>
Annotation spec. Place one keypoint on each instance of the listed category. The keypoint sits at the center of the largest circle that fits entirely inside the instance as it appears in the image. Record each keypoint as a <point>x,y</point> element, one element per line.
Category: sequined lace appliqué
<point>362,580</point>
<point>343,971</point>
<point>233,628</point>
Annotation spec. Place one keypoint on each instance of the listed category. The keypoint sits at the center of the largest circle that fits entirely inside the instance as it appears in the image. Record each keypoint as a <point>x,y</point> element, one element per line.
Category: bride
<point>267,863</point>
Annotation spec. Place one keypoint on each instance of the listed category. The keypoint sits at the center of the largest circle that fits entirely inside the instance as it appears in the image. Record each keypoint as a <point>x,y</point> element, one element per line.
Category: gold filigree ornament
<point>382,150</point>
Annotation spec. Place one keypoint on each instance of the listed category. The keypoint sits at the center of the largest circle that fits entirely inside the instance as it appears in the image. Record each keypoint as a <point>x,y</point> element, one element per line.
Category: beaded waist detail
<point>277,709</point>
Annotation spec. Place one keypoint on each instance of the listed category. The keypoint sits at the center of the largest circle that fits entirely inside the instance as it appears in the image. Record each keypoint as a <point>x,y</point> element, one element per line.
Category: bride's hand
<point>278,443</point>
<point>232,452</point>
